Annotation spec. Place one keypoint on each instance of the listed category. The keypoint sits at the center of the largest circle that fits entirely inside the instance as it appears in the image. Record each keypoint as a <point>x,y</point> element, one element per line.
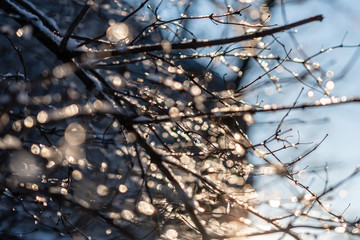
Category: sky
<point>340,151</point>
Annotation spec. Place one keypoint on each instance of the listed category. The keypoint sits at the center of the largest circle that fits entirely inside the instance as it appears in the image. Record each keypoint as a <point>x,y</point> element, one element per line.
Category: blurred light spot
<point>77,175</point>
<point>24,165</point>
<point>255,14</point>
<point>171,234</point>
<point>35,149</point>
<point>237,136</point>
<point>260,153</point>
<point>146,208</point>
<point>131,137</point>
<point>330,74</point>
<point>35,187</point>
<point>240,149</point>
<point>329,85</point>
<point>340,229</point>
<point>63,70</point>
<point>246,221</point>
<point>195,90</point>
<point>117,32</point>
<point>75,134</point>
<point>310,94</point>
<point>71,110</point>
<point>177,86</point>
<point>201,209</point>
<point>19,32</point>
<point>308,197</point>
<point>17,126</point>
<point>248,118</point>
<point>102,190</point>
<point>116,81</point>
<point>275,203</point>
<point>64,191</point>
<point>150,184</point>
<point>42,117</point>
<point>316,65</point>
<point>50,164</point>
<point>10,142</point>
<point>174,112</point>
<point>123,188</point>
<point>103,167</point>
<point>127,214</point>
<point>343,193</point>
<point>108,231</point>
<point>302,174</point>
<point>29,121</point>
<point>166,46</point>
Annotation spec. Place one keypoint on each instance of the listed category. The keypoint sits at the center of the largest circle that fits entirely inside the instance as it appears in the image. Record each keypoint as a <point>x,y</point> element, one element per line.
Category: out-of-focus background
<point>337,67</point>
